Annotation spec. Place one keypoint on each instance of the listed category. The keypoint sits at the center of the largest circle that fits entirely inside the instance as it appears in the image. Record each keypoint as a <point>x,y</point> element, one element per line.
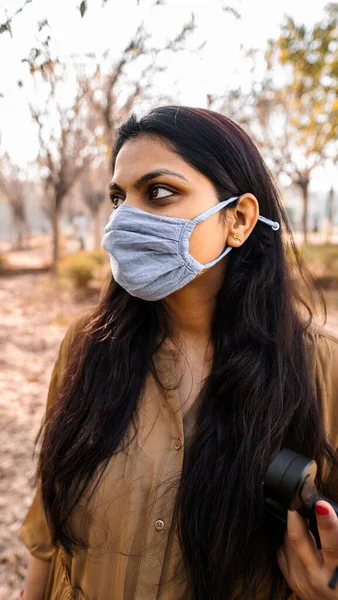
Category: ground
<point>35,315</point>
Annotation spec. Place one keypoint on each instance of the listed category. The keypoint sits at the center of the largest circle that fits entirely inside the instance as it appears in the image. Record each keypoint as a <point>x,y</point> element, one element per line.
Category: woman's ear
<point>242,220</point>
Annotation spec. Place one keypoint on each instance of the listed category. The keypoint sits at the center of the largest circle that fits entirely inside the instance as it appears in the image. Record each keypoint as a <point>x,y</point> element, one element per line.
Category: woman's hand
<point>307,569</point>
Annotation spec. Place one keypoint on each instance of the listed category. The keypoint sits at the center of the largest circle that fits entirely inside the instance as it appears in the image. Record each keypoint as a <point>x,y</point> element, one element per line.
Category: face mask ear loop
<point>217,207</point>
<point>216,260</point>
<point>213,210</point>
<point>275,226</point>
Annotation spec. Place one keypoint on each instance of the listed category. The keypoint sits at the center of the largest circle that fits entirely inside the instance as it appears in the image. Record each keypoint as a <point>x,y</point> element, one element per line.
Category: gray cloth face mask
<point>149,254</point>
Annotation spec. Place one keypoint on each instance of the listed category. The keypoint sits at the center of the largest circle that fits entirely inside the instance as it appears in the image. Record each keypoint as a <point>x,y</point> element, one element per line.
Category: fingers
<point>302,541</point>
<point>307,569</point>
<point>288,560</point>
<point>328,533</point>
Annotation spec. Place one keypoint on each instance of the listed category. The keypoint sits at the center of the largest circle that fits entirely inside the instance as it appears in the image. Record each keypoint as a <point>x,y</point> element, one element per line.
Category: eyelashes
<point>118,200</point>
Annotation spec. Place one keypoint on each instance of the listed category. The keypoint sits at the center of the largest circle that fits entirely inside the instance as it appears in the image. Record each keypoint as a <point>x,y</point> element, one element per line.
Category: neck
<point>191,308</point>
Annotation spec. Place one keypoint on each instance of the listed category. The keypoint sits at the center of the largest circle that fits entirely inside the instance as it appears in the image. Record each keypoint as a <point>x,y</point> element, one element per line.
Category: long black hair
<point>258,397</point>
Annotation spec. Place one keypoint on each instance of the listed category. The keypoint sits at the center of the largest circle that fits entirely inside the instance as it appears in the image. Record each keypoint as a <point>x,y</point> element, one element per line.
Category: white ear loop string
<point>275,226</point>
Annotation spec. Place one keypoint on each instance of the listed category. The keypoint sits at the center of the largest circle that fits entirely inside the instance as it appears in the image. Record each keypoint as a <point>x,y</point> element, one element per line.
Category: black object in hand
<point>289,485</point>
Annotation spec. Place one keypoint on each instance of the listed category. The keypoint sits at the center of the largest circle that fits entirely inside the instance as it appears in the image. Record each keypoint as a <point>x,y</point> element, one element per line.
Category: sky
<point>190,75</point>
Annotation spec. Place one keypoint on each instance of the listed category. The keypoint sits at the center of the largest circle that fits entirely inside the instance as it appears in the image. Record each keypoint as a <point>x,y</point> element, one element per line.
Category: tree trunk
<point>56,235</point>
<point>20,225</point>
<point>19,237</point>
<point>330,215</point>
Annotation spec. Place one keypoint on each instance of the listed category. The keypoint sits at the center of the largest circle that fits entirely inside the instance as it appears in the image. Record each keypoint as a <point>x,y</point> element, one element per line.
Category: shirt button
<point>159,524</point>
<point>178,444</point>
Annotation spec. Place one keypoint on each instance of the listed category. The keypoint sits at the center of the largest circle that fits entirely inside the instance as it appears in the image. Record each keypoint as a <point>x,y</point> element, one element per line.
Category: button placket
<point>163,507</point>
<point>156,540</point>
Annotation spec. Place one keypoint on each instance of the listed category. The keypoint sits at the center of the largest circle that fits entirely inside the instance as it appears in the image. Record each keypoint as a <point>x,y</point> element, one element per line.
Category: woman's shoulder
<point>76,326</point>
<point>321,331</point>
<point>322,346</point>
<point>322,342</point>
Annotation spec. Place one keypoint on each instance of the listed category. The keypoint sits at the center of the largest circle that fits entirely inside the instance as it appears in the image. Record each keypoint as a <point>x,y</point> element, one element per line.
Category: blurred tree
<point>237,102</point>
<point>6,26</point>
<point>330,215</point>
<point>103,88</point>
<point>297,122</point>
<point>94,194</point>
<point>76,129</point>
<point>112,92</point>
<point>64,148</point>
<point>12,188</point>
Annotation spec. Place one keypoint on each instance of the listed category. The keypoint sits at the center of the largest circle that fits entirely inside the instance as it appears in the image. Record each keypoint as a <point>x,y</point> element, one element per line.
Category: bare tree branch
<point>7,25</point>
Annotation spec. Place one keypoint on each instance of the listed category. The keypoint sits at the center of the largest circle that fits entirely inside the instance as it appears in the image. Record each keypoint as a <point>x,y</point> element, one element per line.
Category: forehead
<point>147,153</point>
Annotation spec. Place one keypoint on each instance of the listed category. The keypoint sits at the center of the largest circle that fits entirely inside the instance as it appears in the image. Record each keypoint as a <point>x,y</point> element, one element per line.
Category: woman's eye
<point>158,192</point>
<point>155,193</point>
<point>116,201</point>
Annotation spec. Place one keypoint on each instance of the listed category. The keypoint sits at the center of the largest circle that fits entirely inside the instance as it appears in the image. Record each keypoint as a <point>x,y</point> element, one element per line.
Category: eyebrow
<point>148,177</point>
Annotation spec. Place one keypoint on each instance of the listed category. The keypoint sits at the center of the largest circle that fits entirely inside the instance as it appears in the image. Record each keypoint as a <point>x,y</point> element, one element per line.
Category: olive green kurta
<point>134,550</point>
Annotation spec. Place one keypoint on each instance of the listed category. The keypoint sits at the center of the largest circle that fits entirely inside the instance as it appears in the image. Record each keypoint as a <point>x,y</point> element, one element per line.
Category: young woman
<point>169,401</point>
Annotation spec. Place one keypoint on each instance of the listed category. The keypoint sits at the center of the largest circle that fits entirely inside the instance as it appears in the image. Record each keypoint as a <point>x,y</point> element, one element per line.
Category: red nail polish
<point>322,510</point>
